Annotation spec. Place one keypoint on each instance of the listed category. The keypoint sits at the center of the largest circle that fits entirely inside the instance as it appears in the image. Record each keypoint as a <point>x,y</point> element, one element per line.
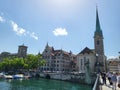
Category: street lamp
<point>97,64</point>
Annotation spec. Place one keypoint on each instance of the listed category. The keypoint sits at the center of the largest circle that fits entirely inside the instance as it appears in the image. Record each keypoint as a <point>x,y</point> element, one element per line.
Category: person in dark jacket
<point>103,75</point>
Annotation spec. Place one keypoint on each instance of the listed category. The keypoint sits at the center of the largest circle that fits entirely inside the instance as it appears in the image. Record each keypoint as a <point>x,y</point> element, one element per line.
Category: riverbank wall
<point>76,78</point>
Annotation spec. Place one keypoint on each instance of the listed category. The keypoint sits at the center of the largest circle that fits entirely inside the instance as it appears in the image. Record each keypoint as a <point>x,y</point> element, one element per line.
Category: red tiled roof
<point>114,63</point>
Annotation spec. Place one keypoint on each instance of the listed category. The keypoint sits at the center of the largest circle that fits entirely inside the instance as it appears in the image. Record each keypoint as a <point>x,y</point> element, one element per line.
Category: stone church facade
<point>95,57</point>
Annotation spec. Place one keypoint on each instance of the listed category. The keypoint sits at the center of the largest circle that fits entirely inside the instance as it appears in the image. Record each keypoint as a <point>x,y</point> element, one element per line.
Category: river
<point>40,84</point>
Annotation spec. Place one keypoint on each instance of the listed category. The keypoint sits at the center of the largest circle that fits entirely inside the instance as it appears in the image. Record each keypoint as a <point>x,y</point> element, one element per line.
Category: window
<point>98,42</point>
<point>81,61</point>
<point>84,59</point>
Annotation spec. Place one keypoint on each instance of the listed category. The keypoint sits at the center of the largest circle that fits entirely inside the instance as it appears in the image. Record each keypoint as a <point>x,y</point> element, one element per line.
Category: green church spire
<point>98,30</point>
<point>97,21</point>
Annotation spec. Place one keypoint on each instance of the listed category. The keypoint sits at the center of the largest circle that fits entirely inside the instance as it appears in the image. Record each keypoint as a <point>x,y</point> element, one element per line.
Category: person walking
<point>118,81</point>
<point>103,75</point>
<point>114,80</point>
<point>109,75</point>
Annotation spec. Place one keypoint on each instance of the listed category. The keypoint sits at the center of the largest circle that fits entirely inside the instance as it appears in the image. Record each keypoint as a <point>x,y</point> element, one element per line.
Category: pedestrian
<point>114,80</point>
<point>103,75</point>
<point>109,75</point>
<point>118,80</point>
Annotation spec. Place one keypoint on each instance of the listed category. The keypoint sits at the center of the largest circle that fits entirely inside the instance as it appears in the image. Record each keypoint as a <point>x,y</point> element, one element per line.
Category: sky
<point>63,24</point>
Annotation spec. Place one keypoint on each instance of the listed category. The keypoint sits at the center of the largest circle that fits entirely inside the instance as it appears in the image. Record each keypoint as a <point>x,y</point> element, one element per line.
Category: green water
<point>40,84</point>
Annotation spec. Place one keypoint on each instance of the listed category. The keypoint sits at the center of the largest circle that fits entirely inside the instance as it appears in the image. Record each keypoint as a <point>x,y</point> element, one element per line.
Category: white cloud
<point>21,31</point>
<point>112,57</point>
<point>18,30</point>
<point>33,35</point>
<point>2,19</point>
<point>60,32</point>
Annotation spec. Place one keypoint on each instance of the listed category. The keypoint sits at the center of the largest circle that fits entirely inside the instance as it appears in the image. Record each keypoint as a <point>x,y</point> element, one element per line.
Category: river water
<point>40,84</point>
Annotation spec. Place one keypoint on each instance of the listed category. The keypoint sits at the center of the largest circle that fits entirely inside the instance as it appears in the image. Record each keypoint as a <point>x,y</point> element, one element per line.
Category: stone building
<point>86,55</point>
<point>58,60</point>
<point>113,65</point>
<point>22,52</point>
<point>99,46</point>
<point>95,57</point>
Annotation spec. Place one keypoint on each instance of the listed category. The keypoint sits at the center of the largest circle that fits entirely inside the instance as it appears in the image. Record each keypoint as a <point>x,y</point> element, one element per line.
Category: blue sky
<point>66,24</point>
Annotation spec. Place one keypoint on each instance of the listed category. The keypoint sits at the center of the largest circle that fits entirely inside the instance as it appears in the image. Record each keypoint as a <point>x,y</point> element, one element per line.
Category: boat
<point>1,75</point>
<point>18,76</point>
<point>8,76</point>
<point>27,77</point>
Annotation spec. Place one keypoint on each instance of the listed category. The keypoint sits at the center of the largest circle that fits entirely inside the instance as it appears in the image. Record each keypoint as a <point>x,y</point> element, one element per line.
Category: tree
<point>15,63</point>
<point>34,61</point>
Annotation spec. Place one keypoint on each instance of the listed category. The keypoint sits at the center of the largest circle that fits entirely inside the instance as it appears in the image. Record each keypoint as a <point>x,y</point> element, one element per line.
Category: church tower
<point>22,51</point>
<point>99,45</point>
<point>98,37</point>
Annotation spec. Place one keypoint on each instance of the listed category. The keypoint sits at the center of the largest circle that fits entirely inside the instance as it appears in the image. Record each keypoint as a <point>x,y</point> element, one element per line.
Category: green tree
<point>34,61</point>
<point>15,63</point>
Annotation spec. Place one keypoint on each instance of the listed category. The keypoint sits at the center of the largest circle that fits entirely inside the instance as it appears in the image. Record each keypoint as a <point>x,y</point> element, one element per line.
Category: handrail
<point>96,83</point>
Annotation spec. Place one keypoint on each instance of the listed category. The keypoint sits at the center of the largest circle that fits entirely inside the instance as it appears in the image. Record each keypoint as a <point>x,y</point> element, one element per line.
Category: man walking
<point>114,80</point>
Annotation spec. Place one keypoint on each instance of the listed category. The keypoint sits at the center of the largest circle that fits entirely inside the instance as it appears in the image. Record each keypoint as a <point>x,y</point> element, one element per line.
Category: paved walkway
<point>107,86</point>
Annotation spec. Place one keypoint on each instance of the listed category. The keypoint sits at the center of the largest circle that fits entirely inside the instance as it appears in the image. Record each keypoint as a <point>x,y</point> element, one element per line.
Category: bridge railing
<point>96,84</point>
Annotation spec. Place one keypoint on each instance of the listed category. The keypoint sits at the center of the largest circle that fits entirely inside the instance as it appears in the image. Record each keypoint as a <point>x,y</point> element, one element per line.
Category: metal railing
<point>96,84</point>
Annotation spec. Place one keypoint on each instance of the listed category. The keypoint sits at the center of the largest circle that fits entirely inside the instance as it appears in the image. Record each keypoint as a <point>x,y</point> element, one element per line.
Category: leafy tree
<point>34,61</point>
<point>15,63</point>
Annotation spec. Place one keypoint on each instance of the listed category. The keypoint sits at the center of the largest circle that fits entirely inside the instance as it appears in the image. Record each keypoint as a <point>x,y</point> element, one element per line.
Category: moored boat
<point>8,76</point>
<point>27,77</point>
<point>18,76</point>
<point>1,75</point>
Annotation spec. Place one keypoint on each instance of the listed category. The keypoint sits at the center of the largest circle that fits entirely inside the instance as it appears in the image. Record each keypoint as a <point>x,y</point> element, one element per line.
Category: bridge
<point>100,86</point>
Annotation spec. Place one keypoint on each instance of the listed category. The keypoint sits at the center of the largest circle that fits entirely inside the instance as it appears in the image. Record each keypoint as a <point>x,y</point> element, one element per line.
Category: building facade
<point>113,65</point>
<point>58,60</point>
<point>22,52</point>
<point>86,55</point>
<point>99,46</point>
<point>95,57</point>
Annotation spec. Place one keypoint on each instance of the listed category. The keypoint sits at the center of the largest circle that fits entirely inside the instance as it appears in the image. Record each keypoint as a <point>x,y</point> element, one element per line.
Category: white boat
<point>8,76</point>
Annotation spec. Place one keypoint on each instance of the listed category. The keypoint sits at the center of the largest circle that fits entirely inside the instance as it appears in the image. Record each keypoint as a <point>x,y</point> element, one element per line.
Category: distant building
<point>22,52</point>
<point>96,57</point>
<point>113,65</point>
<point>58,60</point>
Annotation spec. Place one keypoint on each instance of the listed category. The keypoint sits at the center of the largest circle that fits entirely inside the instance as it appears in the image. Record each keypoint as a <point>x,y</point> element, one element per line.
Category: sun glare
<point>60,8</point>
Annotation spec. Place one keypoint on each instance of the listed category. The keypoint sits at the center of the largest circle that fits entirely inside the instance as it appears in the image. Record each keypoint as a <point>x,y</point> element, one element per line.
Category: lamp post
<point>97,64</point>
